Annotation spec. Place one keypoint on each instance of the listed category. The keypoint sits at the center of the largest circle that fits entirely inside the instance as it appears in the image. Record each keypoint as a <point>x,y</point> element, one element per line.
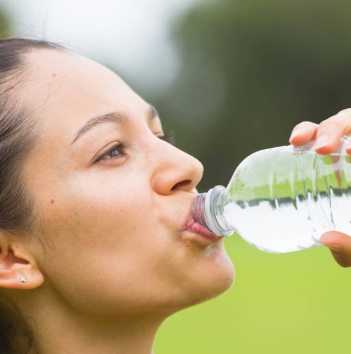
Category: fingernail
<point>294,134</point>
<point>321,141</point>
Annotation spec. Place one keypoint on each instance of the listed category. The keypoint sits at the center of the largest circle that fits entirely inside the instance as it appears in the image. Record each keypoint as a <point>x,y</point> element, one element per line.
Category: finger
<point>331,130</point>
<point>339,245</point>
<point>303,133</point>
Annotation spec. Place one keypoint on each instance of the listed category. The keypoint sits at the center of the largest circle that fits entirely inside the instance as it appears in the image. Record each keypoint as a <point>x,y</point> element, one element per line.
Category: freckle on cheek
<point>52,201</point>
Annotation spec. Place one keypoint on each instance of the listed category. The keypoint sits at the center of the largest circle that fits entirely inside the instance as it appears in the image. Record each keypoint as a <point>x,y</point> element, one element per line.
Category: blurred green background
<point>249,71</point>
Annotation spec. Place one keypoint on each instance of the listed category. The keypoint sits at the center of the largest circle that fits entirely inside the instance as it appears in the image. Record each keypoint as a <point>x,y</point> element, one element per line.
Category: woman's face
<point>114,198</point>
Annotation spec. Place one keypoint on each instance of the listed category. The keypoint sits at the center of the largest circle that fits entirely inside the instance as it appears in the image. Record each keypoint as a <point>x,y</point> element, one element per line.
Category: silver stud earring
<point>23,279</point>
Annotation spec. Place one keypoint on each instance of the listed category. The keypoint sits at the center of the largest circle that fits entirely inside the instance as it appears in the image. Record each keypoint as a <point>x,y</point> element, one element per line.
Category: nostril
<point>181,184</point>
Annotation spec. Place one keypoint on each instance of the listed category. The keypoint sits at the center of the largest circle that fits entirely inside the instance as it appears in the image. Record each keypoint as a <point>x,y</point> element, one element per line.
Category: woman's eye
<point>117,151</point>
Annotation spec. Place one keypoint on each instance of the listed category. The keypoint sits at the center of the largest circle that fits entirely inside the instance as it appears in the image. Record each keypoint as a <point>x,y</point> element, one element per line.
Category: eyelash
<point>121,147</point>
<point>168,137</point>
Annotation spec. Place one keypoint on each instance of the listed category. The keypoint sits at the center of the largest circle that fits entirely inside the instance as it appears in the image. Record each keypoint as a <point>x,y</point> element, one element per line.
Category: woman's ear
<point>18,269</point>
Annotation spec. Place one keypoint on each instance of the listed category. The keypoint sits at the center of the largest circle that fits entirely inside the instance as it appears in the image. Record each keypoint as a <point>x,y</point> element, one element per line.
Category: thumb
<point>339,245</point>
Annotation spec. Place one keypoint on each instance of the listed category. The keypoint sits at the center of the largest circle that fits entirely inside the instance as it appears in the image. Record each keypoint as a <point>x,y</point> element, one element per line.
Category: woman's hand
<point>327,135</point>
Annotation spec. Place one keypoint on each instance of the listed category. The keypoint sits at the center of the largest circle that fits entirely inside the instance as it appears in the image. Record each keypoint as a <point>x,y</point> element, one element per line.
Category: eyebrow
<point>112,117</point>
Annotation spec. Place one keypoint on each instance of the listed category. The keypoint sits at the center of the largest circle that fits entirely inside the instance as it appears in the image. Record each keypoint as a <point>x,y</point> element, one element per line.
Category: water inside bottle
<point>284,199</point>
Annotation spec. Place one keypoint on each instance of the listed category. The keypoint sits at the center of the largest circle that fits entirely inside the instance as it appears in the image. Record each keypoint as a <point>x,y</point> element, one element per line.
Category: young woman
<point>97,243</point>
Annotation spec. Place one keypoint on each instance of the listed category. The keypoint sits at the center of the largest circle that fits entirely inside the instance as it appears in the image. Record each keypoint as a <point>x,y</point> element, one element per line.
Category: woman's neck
<point>60,329</point>
<point>127,336</point>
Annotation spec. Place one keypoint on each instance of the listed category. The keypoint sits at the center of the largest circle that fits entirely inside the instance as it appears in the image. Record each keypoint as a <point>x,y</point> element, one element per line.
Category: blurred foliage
<point>250,70</point>
<point>5,24</point>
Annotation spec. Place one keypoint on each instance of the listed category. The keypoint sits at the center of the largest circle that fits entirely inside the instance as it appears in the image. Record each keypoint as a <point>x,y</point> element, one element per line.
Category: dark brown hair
<point>18,135</point>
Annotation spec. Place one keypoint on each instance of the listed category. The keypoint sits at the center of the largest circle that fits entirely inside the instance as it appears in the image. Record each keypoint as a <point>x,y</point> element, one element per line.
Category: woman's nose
<point>175,170</point>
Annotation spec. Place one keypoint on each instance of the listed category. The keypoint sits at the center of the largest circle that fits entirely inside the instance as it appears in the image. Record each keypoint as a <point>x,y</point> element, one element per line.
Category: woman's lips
<point>196,228</point>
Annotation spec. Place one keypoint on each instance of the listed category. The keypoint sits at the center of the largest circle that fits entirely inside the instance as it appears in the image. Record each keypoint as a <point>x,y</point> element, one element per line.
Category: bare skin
<point>113,256</point>
<point>327,135</point>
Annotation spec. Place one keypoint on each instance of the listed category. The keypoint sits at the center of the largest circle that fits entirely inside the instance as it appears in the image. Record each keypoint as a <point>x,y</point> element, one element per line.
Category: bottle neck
<point>208,211</point>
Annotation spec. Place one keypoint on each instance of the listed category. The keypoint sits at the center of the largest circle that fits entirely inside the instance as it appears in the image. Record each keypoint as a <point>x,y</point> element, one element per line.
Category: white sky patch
<point>133,35</point>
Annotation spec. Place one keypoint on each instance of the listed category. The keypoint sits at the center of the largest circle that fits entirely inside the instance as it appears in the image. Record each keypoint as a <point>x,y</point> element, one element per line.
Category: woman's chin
<point>222,279</point>
<point>211,282</point>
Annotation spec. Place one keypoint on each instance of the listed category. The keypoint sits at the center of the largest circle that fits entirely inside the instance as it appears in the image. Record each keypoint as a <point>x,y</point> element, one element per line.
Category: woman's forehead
<point>63,75</point>
<point>69,89</point>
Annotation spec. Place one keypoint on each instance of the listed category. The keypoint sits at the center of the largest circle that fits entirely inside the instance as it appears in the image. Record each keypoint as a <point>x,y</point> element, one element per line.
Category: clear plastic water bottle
<point>282,199</point>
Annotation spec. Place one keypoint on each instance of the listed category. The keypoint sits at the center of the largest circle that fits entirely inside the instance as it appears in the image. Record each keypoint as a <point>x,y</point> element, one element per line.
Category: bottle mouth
<point>198,211</point>
<point>203,211</point>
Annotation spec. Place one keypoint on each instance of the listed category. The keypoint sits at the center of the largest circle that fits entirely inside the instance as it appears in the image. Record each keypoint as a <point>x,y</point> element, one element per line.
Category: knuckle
<point>326,123</point>
<point>332,121</point>
<point>339,119</point>
<point>342,120</point>
<point>346,111</point>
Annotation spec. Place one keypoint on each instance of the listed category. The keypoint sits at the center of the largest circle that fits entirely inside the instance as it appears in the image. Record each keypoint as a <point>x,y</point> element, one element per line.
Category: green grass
<point>297,302</point>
